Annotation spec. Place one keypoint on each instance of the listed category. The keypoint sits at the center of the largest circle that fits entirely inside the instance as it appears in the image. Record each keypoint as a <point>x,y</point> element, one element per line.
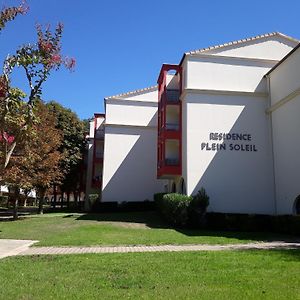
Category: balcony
<point>169,122</point>
<point>172,126</point>
<point>169,168</point>
<point>99,134</point>
<point>171,162</point>
<point>172,96</point>
<point>98,157</point>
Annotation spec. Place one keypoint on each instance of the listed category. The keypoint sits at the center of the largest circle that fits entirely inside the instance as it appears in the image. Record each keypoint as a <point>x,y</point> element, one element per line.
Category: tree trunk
<point>75,199</point>
<point>41,193</point>
<point>68,199</point>
<point>62,200</point>
<point>54,196</point>
<point>16,203</point>
<point>15,212</point>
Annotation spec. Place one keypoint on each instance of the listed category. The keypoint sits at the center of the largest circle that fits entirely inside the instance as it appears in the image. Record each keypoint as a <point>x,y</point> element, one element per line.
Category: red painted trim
<point>98,115</point>
<point>163,134</point>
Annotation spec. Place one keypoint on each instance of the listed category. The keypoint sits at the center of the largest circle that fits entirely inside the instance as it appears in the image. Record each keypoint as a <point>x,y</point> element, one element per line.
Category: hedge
<point>175,208</point>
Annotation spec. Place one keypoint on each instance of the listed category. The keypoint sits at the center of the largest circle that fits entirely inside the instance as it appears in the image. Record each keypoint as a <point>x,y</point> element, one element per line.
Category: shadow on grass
<point>257,236</point>
<point>153,220</point>
<point>283,254</point>
<point>150,218</point>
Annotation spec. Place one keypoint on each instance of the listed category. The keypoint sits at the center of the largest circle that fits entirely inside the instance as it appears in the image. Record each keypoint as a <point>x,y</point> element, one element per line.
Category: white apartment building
<point>225,118</point>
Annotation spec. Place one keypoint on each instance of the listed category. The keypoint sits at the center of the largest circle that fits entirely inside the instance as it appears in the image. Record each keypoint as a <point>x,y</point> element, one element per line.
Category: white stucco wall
<point>236,181</point>
<point>130,148</point>
<point>228,74</point>
<point>285,85</point>
<point>128,112</point>
<point>286,140</point>
<point>130,164</point>
<point>284,80</point>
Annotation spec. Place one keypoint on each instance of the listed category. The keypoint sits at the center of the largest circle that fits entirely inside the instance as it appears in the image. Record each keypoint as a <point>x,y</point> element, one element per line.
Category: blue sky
<point>119,45</point>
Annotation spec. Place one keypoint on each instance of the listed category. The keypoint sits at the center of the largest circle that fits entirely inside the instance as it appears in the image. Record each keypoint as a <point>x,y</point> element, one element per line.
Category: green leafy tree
<point>72,147</point>
<point>40,167</point>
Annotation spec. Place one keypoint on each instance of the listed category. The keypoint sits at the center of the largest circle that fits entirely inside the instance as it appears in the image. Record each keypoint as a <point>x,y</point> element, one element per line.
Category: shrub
<point>197,209</point>
<point>174,207</point>
<point>158,199</point>
<point>200,201</point>
<point>93,198</point>
<point>3,200</point>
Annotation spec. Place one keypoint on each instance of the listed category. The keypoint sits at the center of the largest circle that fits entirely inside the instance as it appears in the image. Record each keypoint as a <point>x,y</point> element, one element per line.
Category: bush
<point>93,199</point>
<point>200,201</point>
<point>197,209</point>
<point>158,199</point>
<point>3,201</point>
<point>174,207</point>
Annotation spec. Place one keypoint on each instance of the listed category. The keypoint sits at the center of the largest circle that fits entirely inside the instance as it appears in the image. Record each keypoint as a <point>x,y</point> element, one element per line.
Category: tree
<point>73,146</point>
<point>37,61</point>
<point>9,13</point>
<point>40,167</point>
<point>45,154</point>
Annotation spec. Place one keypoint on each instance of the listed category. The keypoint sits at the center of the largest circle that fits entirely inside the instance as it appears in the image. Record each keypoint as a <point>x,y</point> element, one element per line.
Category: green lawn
<point>115,229</point>
<point>185,275</point>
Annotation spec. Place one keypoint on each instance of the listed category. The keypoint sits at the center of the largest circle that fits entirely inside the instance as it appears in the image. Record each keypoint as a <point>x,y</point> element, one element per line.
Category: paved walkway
<point>22,247</point>
<point>14,247</point>
<point>164,248</point>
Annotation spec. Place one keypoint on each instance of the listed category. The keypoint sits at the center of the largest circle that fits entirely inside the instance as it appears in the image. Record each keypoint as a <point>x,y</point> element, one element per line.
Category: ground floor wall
<point>286,140</point>
<point>129,170</point>
<point>228,152</point>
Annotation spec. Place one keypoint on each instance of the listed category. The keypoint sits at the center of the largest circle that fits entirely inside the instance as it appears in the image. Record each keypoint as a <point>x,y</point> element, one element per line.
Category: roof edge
<point>283,59</point>
<point>238,42</point>
<point>133,93</point>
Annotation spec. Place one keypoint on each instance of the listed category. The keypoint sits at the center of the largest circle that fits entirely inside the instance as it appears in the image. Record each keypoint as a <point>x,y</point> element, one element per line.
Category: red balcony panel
<point>170,134</point>
<point>168,128</point>
<point>169,171</point>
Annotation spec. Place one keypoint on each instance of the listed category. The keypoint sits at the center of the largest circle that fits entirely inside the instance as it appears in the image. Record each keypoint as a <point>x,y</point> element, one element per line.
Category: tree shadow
<point>257,236</point>
<point>150,218</point>
<point>153,219</point>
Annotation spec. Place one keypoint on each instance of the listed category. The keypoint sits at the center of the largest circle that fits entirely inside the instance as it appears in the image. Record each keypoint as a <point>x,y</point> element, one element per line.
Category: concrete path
<point>162,248</point>
<point>22,247</point>
<point>14,247</point>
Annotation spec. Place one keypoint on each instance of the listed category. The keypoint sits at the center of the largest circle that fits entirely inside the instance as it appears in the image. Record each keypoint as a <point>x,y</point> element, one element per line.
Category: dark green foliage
<point>175,207</point>
<point>93,198</point>
<point>3,200</point>
<point>197,208</point>
<point>200,201</point>
<point>73,145</point>
<point>286,224</point>
<point>158,199</point>
<point>182,210</point>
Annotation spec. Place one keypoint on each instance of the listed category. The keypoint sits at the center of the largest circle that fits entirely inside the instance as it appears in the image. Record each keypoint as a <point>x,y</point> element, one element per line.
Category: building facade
<point>225,118</point>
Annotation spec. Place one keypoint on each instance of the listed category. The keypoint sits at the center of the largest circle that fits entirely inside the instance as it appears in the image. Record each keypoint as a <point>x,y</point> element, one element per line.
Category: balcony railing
<point>99,134</point>
<point>172,126</point>
<point>172,96</point>
<point>171,161</point>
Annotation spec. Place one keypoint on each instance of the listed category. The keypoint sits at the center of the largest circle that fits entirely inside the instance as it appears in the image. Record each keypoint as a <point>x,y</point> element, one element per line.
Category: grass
<point>116,229</point>
<point>185,275</point>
